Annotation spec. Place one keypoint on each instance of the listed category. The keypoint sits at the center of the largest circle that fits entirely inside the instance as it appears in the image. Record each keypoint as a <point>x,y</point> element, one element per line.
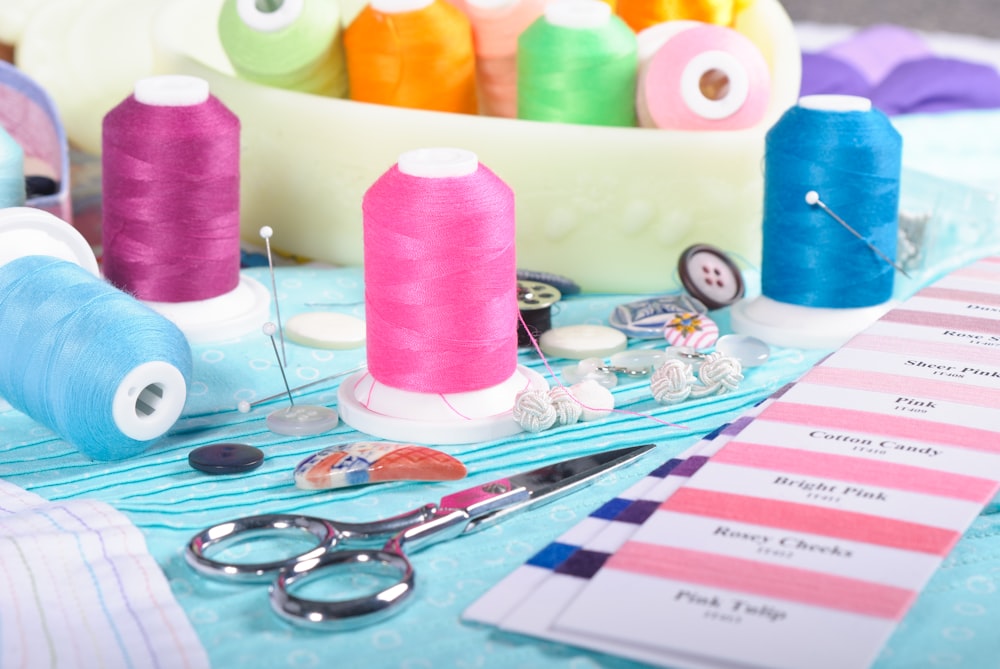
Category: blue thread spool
<point>820,283</point>
<point>12,190</point>
<point>86,360</point>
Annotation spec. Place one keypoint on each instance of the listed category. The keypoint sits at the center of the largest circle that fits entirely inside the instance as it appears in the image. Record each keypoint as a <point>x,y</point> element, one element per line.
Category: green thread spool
<point>291,44</point>
<point>577,64</point>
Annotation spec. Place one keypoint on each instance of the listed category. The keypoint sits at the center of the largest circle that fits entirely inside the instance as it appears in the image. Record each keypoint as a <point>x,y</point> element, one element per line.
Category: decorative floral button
<point>694,330</point>
<point>709,275</point>
<point>644,319</point>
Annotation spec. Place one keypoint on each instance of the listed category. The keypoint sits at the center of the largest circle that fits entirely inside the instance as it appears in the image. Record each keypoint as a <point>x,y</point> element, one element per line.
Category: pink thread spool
<point>496,25</point>
<point>171,229</point>
<point>704,77</point>
<point>440,304</point>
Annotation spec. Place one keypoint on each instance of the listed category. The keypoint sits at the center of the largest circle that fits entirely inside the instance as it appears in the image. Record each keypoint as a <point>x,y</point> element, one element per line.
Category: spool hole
<point>268,6</point>
<point>148,401</point>
<point>714,84</point>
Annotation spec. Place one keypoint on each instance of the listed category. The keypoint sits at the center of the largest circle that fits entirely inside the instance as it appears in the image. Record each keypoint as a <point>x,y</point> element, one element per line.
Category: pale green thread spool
<point>577,64</point>
<point>291,44</point>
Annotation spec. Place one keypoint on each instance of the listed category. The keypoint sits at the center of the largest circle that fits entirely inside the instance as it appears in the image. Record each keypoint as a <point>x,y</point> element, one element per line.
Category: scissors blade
<point>491,502</point>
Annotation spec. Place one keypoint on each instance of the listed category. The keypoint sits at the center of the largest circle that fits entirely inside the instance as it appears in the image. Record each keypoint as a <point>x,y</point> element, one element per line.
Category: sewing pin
<point>245,407</point>
<point>812,199</point>
<point>265,233</point>
<point>301,419</point>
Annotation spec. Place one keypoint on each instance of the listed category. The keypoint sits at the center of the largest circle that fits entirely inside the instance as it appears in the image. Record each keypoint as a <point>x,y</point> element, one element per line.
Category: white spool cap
<point>491,4</point>
<point>149,400</point>
<point>171,90</point>
<point>283,16</point>
<point>578,14</point>
<point>399,6</point>
<point>836,103</point>
<point>438,163</point>
<point>26,231</point>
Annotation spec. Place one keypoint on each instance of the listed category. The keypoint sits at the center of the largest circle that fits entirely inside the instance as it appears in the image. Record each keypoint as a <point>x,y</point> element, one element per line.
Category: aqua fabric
<point>955,619</point>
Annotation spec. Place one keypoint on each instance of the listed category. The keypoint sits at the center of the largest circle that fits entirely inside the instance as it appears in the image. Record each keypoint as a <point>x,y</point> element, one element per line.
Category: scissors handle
<point>349,613</point>
<point>326,534</point>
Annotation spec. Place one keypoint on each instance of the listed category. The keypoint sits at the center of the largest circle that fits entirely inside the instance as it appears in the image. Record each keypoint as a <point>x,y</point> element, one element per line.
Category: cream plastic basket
<point>611,208</point>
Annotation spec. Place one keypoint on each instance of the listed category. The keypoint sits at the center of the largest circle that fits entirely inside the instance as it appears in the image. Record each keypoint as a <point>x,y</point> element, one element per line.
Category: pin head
<point>266,232</point>
<point>269,328</point>
<point>812,197</point>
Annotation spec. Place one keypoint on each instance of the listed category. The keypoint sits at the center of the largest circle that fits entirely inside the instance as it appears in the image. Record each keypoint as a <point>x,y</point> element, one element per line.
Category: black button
<point>226,458</point>
<point>38,186</point>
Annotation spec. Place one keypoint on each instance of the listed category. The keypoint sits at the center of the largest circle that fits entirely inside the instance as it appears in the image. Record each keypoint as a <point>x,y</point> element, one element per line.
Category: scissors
<point>455,515</point>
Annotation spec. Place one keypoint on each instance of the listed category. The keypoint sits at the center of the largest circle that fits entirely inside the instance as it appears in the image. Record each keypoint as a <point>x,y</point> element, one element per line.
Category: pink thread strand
<point>170,185</point>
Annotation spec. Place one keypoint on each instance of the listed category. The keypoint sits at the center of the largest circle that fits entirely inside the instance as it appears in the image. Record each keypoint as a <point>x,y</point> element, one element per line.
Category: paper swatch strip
<point>822,517</point>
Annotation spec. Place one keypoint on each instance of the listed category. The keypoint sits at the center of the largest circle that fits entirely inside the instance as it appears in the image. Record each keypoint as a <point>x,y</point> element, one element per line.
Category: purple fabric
<point>876,51</point>
<point>892,67</point>
<point>823,74</point>
<point>937,85</point>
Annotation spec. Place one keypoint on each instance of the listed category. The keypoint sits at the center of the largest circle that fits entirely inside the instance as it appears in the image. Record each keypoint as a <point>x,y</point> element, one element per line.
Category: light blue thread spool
<point>821,283</point>
<point>12,193</point>
<point>86,360</point>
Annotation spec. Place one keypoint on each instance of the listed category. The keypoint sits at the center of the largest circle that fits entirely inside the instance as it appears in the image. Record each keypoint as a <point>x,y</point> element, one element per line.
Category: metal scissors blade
<point>491,502</point>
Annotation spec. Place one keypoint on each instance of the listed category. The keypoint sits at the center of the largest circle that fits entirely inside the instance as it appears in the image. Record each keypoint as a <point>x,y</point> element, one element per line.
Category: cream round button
<point>326,330</point>
<point>577,342</point>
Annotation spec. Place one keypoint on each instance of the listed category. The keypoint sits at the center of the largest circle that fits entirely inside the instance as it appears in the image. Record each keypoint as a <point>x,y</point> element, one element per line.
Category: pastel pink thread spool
<point>171,228</point>
<point>705,77</point>
<point>496,25</point>
<point>441,305</point>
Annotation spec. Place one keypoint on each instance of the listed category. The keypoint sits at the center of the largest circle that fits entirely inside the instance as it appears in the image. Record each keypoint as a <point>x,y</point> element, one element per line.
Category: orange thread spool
<point>641,14</point>
<point>412,54</point>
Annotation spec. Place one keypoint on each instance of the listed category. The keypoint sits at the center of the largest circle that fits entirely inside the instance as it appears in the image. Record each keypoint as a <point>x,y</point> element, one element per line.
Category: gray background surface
<point>977,17</point>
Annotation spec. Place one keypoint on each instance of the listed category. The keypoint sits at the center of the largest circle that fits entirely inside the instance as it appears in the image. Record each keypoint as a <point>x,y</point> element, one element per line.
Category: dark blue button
<point>226,458</point>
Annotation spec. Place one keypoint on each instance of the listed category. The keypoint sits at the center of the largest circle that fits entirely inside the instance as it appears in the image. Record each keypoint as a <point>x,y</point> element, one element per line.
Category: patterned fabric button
<point>644,319</point>
<point>694,330</point>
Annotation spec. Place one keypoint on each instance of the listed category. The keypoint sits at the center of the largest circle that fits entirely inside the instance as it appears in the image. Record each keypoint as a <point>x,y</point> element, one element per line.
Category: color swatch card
<point>812,528</point>
<point>532,597</point>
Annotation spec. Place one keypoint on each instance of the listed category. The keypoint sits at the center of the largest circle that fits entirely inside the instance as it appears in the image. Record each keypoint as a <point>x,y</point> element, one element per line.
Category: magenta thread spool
<point>171,208</point>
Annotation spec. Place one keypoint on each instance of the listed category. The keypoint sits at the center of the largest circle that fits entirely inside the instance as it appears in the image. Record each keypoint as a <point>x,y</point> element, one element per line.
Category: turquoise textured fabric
<point>954,620</point>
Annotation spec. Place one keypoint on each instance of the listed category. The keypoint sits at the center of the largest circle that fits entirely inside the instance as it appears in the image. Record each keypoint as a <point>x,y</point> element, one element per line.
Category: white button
<point>577,342</point>
<point>326,330</point>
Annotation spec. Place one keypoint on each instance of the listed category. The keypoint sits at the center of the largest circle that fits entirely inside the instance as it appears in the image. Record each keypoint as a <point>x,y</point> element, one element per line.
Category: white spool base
<point>234,314</point>
<point>27,231</point>
<point>791,325</point>
<point>423,418</point>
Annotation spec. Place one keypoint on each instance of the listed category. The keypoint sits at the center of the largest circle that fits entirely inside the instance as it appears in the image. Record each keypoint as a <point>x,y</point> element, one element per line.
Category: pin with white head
<point>266,232</point>
<point>297,420</point>
<point>813,200</point>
